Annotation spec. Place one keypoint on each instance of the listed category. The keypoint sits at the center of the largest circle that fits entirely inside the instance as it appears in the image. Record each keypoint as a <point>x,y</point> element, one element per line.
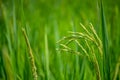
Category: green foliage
<point>45,22</point>
<point>106,63</point>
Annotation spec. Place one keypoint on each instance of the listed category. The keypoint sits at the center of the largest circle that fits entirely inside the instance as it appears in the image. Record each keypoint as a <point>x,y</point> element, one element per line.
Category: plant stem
<point>34,70</point>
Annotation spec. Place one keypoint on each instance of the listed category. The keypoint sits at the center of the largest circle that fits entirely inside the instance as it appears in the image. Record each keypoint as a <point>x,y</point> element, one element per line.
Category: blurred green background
<point>46,22</point>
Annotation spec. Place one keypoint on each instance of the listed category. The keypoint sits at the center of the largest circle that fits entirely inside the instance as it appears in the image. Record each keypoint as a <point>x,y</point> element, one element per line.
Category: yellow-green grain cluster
<point>88,37</point>
<point>32,61</point>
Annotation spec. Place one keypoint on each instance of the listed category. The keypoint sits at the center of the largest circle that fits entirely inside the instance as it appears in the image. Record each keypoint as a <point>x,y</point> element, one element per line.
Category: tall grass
<point>90,45</point>
<point>6,54</point>
<point>59,63</point>
<point>106,56</point>
<point>87,37</point>
<point>46,55</point>
<point>32,61</point>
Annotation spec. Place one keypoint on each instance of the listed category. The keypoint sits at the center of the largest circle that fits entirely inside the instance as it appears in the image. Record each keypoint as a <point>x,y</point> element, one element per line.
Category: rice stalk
<point>34,69</point>
<point>93,58</point>
<point>83,49</point>
<point>94,32</point>
<point>68,49</point>
<point>97,42</point>
<point>74,37</point>
<point>96,66</point>
<point>69,41</point>
<point>83,35</point>
<point>85,29</point>
<point>98,39</point>
<point>88,37</point>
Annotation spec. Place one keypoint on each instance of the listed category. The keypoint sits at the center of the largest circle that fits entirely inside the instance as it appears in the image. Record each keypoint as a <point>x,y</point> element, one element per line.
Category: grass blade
<point>46,55</point>
<point>117,70</point>
<point>106,64</point>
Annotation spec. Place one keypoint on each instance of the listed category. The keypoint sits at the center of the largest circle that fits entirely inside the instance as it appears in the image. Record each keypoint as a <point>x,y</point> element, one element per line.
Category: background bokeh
<point>53,18</point>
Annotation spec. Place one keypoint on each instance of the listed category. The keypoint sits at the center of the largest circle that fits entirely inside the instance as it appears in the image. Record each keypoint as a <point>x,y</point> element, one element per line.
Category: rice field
<point>59,40</point>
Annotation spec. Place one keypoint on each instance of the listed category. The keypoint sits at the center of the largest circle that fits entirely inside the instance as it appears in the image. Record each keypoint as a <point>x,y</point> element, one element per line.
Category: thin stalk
<point>96,66</point>
<point>34,69</point>
<point>95,62</point>
<point>83,49</point>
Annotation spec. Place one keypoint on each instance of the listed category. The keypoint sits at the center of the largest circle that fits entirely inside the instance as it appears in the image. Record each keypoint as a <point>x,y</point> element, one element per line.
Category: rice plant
<point>89,51</point>
<point>34,70</point>
<point>91,40</point>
